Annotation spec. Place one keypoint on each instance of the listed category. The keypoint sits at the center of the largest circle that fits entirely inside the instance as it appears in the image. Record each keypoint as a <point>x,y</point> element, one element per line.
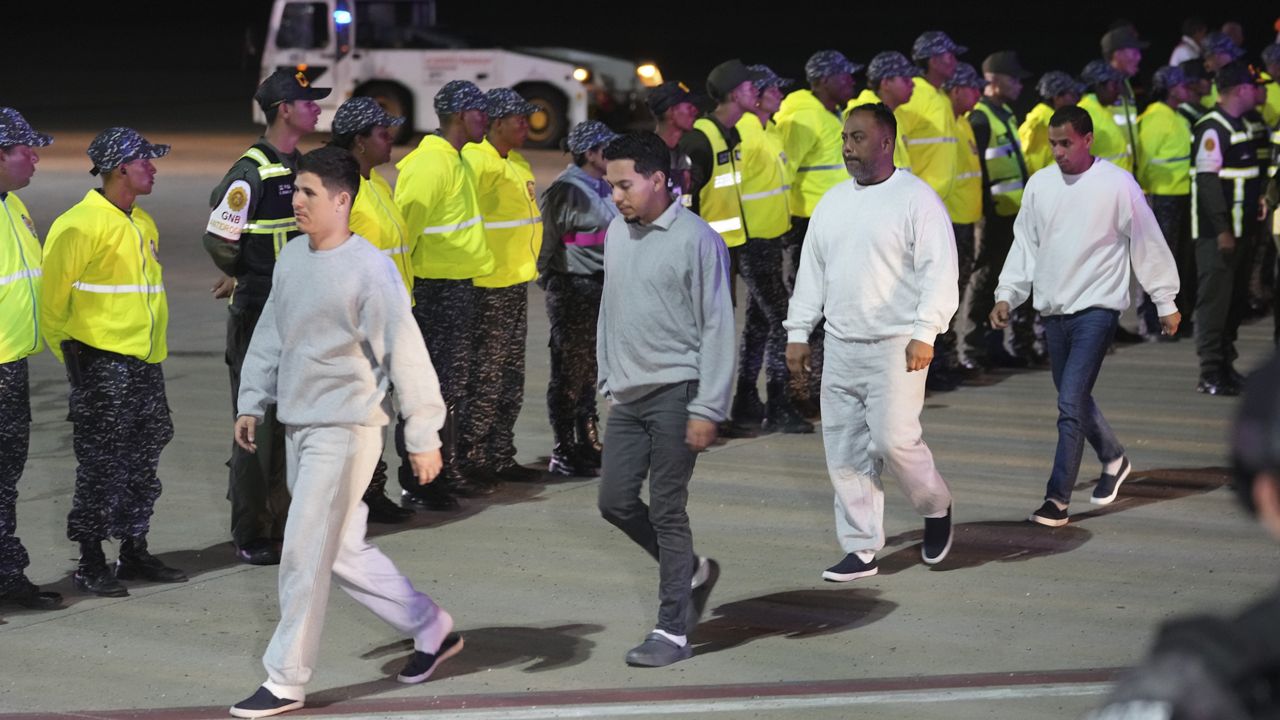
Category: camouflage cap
<point>1169,76</point>
<point>459,96</point>
<point>505,102</point>
<point>118,145</point>
<point>360,113</point>
<point>587,135</point>
<point>1271,54</point>
<point>1056,82</point>
<point>767,78</point>
<point>15,130</point>
<point>825,63</point>
<point>934,42</point>
<point>668,95</point>
<point>1098,72</point>
<point>965,76</point>
<point>890,64</point>
<point>1216,42</point>
<point>284,86</point>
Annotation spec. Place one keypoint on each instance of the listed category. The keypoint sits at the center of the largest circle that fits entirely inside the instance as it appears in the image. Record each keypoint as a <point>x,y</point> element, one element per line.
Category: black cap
<point>728,75</point>
<point>668,95</point>
<point>1121,38</point>
<point>1237,73</point>
<point>1005,62</point>
<point>284,86</point>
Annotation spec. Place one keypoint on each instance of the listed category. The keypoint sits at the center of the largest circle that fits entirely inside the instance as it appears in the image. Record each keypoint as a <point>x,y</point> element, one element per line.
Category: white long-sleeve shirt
<point>1078,238</point>
<point>879,261</point>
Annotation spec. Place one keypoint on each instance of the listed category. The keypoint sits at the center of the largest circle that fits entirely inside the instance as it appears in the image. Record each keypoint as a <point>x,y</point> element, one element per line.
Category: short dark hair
<point>271,114</point>
<point>1075,116</point>
<point>347,141</point>
<point>336,168</point>
<point>1193,25</point>
<point>882,114</point>
<point>646,149</point>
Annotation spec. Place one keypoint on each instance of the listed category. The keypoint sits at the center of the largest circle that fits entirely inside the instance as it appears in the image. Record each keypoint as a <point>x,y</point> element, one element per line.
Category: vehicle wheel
<point>550,124</point>
<point>396,101</point>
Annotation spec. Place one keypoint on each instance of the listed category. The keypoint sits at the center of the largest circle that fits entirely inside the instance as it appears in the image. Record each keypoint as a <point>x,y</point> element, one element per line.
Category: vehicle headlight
<point>649,74</point>
<point>581,74</point>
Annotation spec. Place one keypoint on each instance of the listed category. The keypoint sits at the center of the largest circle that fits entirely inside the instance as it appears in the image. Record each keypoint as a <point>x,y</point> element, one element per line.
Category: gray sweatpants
<point>329,467</point>
<point>871,418</point>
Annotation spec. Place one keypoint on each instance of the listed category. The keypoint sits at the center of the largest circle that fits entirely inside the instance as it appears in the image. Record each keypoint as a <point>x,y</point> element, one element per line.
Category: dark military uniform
<point>15,437</point>
<point>256,488</point>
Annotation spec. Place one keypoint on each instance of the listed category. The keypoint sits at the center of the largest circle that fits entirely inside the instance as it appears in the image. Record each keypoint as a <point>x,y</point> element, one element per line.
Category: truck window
<point>399,24</point>
<point>304,26</point>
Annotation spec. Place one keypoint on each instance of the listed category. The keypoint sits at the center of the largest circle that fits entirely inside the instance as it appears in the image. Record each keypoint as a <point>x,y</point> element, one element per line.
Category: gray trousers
<point>324,541</point>
<point>645,439</point>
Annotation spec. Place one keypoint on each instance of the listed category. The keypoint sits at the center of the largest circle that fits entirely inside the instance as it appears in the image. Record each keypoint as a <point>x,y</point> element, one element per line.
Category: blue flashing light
<point>342,17</point>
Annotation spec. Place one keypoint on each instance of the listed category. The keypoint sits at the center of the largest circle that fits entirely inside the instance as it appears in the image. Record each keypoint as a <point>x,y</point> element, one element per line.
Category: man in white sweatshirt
<point>335,334</point>
<point>1083,231</point>
<point>879,262</point>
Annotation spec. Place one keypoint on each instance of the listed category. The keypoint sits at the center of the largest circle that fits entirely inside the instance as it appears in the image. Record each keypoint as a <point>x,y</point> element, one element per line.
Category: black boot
<point>135,562</point>
<point>747,414</point>
<point>23,593</point>
<point>568,458</point>
<point>781,416</point>
<point>432,496</point>
<point>93,576</point>
<point>590,450</point>
<point>381,509</point>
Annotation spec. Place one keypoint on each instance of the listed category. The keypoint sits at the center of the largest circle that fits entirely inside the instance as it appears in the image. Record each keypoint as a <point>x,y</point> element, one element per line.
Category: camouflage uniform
<point>495,386</point>
<point>764,341</point>
<point>121,424</point>
<point>15,436</point>
<point>573,306</point>
<point>811,389</point>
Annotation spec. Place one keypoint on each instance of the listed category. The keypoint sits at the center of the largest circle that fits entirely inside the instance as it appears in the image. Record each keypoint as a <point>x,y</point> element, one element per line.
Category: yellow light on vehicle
<point>302,67</point>
<point>581,74</point>
<point>649,74</point>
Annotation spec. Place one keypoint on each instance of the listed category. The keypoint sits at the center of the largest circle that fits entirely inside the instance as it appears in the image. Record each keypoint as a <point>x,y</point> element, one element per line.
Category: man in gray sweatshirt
<point>665,351</point>
<point>335,334</point>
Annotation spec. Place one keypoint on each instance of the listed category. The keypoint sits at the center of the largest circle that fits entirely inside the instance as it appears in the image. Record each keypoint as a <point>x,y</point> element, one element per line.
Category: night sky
<point>183,64</point>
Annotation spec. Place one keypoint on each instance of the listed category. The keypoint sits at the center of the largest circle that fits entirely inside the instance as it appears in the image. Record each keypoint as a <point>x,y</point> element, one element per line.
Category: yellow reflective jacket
<point>375,217</point>
<point>1034,136</point>
<point>765,184</point>
<point>928,124</point>
<point>103,283</point>
<point>901,158</point>
<point>964,202</point>
<point>1271,108</point>
<point>1109,140</point>
<point>1164,159</point>
<point>19,282</point>
<point>811,140</point>
<point>509,206</point>
<point>436,194</point>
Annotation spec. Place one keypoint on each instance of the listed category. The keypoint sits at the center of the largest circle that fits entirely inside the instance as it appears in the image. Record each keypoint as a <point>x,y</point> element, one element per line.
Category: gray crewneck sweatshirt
<point>335,334</point>
<point>665,316</point>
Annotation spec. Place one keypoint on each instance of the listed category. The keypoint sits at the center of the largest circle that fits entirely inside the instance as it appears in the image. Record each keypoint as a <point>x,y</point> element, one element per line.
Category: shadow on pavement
<point>790,614</point>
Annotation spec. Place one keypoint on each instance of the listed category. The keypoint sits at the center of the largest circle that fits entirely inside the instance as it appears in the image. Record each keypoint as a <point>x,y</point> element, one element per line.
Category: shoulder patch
<point>230,217</point>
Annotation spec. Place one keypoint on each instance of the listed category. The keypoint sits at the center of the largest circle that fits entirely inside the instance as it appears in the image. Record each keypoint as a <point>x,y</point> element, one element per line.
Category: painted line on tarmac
<point>755,704</point>
<point>669,700</point>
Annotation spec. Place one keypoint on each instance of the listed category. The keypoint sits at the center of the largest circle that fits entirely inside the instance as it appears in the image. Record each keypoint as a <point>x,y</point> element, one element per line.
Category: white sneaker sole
<point>942,555</point>
<point>242,713</point>
<point>415,679</point>
<point>846,577</point>
<point>1115,490</point>
<point>1048,522</point>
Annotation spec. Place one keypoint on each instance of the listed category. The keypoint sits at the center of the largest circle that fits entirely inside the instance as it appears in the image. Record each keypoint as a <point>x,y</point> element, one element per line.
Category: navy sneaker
<point>850,568</point>
<point>263,704</point>
<point>1050,515</point>
<point>657,651</point>
<point>421,664</point>
<point>937,539</point>
<point>1109,485</point>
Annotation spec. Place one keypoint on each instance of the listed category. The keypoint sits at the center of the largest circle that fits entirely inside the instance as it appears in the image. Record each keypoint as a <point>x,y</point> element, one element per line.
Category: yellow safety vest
<point>509,209</point>
<point>1034,136</point>
<point>1005,177</point>
<point>436,194</point>
<point>964,202</point>
<point>901,158</point>
<point>375,217</point>
<point>719,200</point>
<point>764,179</point>
<point>1125,115</point>
<point>1109,142</point>
<point>928,124</point>
<point>1271,107</point>
<point>1164,166</point>
<point>815,152</point>
<point>19,282</point>
<point>103,282</point>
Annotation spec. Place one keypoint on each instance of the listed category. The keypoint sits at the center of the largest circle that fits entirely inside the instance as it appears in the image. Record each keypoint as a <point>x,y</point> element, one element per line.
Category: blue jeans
<point>1077,344</point>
